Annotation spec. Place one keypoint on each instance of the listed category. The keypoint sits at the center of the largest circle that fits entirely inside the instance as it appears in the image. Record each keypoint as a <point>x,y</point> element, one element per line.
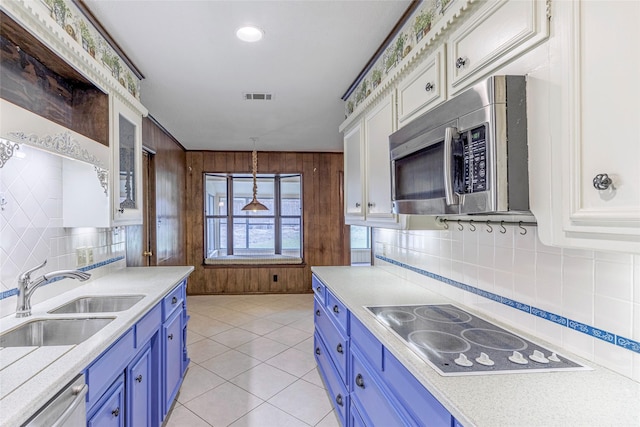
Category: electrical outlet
<point>81,256</point>
<point>275,277</point>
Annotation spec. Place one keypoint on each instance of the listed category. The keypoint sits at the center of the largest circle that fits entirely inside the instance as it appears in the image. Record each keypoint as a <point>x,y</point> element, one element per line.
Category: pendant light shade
<point>255,205</point>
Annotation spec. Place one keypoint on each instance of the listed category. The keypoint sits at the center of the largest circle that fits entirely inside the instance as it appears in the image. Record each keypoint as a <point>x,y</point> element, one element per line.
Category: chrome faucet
<point>26,287</point>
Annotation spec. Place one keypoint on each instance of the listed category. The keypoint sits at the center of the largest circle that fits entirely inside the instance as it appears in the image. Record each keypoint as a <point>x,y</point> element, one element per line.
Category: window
<point>360,237</point>
<point>231,233</point>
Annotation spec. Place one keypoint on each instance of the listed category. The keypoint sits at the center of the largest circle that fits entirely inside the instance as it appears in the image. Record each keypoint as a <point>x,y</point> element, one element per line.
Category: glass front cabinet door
<point>126,139</point>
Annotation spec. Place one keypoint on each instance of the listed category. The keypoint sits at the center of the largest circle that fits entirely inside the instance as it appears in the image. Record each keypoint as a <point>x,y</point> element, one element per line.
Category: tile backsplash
<point>587,302</point>
<point>31,229</point>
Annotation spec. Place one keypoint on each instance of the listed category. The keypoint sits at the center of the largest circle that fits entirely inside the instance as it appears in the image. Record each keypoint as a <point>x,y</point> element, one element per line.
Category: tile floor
<point>252,364</point>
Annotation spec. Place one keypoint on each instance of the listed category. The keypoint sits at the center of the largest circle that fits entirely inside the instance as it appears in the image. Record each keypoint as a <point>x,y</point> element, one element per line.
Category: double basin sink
<point>68,331</point>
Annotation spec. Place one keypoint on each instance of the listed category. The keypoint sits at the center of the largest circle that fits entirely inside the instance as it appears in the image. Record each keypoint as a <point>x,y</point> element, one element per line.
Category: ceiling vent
<point>257,96</point>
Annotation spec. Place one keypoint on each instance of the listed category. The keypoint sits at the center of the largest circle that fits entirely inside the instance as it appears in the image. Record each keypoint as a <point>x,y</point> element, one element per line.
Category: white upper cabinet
<point>597,153</point>
<point>354,173</point>
<point>423,89</point>
<point>126,151</point>
<point>498,32</point>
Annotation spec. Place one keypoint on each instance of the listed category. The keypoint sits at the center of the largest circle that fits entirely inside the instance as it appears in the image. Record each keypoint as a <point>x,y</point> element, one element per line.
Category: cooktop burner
<point>455,342</point>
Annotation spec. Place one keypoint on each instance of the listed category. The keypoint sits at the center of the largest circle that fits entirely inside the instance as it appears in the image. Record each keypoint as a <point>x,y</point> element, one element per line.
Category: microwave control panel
<point>475,160</point>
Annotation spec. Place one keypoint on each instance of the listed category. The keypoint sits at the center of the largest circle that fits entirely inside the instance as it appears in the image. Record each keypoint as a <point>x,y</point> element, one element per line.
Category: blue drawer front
<point>335,340</point>
<point>338,311</point>
<point>148,325</point>
<point>173,301</point>
<point>332,380</point>
<point>318,288</point>
<point>369,345</point>
<point>377,409</point>
<point>416,399</point>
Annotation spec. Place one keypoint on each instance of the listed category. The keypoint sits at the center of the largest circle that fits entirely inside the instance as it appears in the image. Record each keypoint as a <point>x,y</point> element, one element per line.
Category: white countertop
<point>581,398</point>
<point>30,376</point>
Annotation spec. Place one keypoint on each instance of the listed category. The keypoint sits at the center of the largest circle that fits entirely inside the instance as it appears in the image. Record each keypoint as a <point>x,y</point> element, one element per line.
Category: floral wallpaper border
<point>72,20</point>
<point>416,28</point>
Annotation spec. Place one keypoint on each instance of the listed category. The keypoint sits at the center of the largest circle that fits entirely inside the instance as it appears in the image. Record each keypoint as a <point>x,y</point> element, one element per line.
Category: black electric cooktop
<point>455,342</point>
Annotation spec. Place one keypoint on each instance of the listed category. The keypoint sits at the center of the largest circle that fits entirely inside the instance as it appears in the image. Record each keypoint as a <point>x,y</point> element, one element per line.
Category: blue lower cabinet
<point>139,391</point>
<point>173,354</point>
<point>109,411</point>
<point>333,381</point>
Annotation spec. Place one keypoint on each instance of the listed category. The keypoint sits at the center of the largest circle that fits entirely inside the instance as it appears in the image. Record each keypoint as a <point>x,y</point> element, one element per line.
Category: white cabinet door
<point>498,32</point>
<point>600,113</point>
<point>126,149</point>
<point>379,123</point>
<point>354,174</point>
<point>423,88</point>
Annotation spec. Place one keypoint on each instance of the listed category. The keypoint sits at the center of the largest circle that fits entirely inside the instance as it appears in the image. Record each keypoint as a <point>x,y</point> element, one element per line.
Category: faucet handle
<point>27,274</point>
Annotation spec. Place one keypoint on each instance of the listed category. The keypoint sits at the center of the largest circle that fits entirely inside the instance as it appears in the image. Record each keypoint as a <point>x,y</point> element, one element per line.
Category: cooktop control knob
<point>462,360</point>
<point>485,360</point>
<point>537,356</point>
<point>554,357</point>
<point>518,358</point>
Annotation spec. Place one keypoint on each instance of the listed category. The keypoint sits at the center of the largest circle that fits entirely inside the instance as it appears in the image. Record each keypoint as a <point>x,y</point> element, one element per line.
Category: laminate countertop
<point>595,397</point>
<point>31,376</point>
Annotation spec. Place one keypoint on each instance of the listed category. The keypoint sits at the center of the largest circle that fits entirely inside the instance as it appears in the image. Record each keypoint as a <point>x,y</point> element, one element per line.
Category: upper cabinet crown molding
<point>34,16</point>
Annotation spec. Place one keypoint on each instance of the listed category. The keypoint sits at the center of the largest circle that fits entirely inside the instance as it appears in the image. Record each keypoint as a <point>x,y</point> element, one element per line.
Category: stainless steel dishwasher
<point>66,409</point>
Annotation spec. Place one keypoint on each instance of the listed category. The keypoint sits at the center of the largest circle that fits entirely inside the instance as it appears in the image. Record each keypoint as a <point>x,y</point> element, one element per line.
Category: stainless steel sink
<point>99,304</point>
<point>47,332</point>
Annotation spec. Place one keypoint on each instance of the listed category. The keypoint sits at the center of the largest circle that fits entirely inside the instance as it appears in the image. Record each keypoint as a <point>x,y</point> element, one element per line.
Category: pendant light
<point>255,205</point>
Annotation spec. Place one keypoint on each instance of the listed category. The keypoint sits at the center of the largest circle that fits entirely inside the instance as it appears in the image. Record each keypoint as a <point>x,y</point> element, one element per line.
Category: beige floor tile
<point>306,345</point>
<point>331,420</point>
<point>305,324</point>
<point>294,362</point>
<point>267,415</point>
<point>260,326</point>
<point>223,405</point>
<point>230,364</point>
<point>313,376</point>
<point>264,380</point>
<point>182,417</point>
<point>263,348</point>
<point>237,318</point>
<point>304,401</point>
<point>288,335</point>
<point>206,326</point>
<point>285,316</point>
<point>205,349</point>
<point>193,337</point>
<point>197,381</point>
<point>234,337</point>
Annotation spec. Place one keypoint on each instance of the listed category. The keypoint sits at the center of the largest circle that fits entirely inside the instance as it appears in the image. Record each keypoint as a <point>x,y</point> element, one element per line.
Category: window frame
<point>210,202</point>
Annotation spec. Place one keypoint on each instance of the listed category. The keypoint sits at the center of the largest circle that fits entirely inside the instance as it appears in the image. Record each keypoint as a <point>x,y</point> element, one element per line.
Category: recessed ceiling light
<point>249,34</point>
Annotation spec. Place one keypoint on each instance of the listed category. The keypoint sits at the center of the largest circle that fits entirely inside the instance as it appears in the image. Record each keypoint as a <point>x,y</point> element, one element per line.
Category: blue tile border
<point>14,291</point>
<point>626,343</point>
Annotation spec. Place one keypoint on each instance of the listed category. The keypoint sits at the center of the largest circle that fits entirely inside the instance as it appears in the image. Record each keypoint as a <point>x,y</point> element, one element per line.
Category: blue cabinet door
<point>139,391</point>
<point>172,356</point>
<point>109,411</point>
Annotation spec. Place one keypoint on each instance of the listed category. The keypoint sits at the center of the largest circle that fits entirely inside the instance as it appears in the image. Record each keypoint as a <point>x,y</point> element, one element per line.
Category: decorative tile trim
<point>14,291</point>
<point>626,343</point>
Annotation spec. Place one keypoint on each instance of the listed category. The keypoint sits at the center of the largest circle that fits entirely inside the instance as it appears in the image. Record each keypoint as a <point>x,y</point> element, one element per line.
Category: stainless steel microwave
<point>467,156</point>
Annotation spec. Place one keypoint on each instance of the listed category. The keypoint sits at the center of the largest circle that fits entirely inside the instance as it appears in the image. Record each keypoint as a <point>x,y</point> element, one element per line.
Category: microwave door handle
<point>450,134</point>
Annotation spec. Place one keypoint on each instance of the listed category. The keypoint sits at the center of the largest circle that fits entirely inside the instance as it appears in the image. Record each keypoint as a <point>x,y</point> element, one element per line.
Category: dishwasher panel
<point>65,409</point>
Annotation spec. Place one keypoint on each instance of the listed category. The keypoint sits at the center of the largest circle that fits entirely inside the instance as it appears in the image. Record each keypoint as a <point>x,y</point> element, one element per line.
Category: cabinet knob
<point>429,87</point>
<point>121,210</point>
<point>339,400</point>
<point>359,381</point>
<point>147,253</point>
<point>318,351</point>
<point>116,412</point>
<point>170,336</point>
<point>139,378</point>
<point>174,300</point>
<point>336,309</point>
<point>357,205</point>
<point>461,62</point>
<point>317,312</point>
<point>339,349</point>
<point>318,289</point>
<point>370,204</point>
<point>602,181</point>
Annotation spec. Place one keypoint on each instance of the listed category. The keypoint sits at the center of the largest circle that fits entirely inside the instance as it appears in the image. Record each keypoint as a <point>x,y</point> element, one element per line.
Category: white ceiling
<point>196,70</point>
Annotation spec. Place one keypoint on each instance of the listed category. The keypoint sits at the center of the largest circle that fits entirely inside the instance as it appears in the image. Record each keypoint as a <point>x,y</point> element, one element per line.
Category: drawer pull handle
<point>359,381</point>
<point>460,62</point>
<point>318,288</point>
<point>429,87</point>
<point>339,400</point>
<point>339,349</point>
<point>116,412</point>
<point>317,312</point>
<point>139,378</point>
<point>170,336</point>
<point>174,300</point>
<point>336,309</point>
<point>318,351</point>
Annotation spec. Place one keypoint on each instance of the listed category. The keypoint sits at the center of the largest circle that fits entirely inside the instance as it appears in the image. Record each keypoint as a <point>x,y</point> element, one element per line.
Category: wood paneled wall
<point>169,187</point>
<point>325,235</point>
